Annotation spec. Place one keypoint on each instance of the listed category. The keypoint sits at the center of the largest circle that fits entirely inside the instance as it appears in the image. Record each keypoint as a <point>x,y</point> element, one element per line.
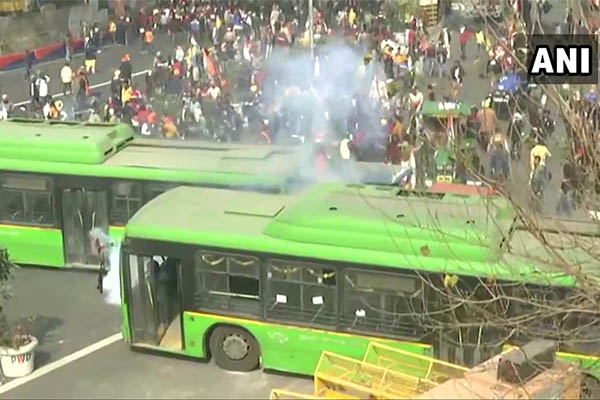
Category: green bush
<point>6,275</point>
<point>17,335</point>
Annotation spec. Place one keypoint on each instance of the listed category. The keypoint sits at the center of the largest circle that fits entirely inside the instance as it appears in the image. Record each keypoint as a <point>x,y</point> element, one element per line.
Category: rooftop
<point>338,222</point>
<point>105,150</point>
<point>222,158</point>
<point>54,141</point>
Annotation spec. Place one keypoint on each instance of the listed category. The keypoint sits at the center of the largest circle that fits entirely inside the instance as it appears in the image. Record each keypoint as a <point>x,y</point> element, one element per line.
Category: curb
<point>46,53</point>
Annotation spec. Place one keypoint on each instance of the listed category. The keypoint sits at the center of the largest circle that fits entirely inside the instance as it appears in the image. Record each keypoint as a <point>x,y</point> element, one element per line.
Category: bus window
<point>26,199</point>
<point>301,293</point>
<point>126,200</point>
<point>12,206</point>
<point>581,334</point>
<point>227,282</point>
<point>386,303</point>
<point>41,208</point>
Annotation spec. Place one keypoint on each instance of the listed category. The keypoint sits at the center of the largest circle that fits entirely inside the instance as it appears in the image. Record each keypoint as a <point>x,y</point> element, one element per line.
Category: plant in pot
<point>17,345</point>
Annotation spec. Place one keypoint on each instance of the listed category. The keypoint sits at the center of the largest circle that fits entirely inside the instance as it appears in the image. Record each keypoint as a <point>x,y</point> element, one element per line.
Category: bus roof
<point>61,141</point>
<point>112,151</point>
<point>346,223</point>
<point>255,160</point>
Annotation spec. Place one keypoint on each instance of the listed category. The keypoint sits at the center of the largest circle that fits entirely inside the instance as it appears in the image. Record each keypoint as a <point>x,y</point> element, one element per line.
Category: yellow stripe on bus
<point>260,323</point>
<point>37,228</point>
<point>594,358</point>
<point>509,347</point>
<point>43,228</point>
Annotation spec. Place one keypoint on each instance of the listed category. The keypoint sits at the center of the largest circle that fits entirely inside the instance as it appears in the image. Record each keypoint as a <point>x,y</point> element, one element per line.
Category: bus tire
<point>234,349</point>
<point>590,387</point>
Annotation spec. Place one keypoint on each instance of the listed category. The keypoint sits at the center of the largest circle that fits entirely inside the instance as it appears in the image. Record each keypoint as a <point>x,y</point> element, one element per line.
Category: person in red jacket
<point>463,38</point>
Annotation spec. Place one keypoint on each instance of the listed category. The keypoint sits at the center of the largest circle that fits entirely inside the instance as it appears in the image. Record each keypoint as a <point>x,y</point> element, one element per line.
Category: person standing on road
<point>112,29</point>
<point>42,87</point>
<point>440,59</point>
<point>569,21</point>
<point>126,92</point>
<point>90,58</point>
<point>538,180</point>
<point>126,68</point>
<point>463,38</point>
<point>457,76</point>
<point>34,93</point>
<point>120,34</point>
<point>489,124</point>
<point>29,58</point>
<point>96,37</point>
<point>116,85</point>
<point>66,76</point>
<point>6,108</point>
<point>540,151</point>
<point>499,163</point>
<point>68,47</point>
<point>148,40</point>
<point>149,84</point>
<point>128,26</point>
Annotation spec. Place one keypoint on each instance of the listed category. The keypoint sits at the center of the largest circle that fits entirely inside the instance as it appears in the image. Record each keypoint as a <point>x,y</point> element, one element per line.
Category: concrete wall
<point>86,13</point>
<point>48,26</point>
<point>33,30</point>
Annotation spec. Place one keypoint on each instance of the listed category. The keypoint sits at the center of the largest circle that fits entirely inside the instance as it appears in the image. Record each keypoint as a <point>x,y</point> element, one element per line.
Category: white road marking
<point>61,363</point>
<point>54,96</point>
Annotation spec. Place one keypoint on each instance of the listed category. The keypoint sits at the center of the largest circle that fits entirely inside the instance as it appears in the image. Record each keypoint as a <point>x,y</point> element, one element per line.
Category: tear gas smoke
<point>112,282</point>
<point>326,100</point>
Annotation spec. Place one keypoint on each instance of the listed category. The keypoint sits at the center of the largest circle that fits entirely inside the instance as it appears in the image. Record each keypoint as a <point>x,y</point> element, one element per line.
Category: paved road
<point>71,316</point>
<point>13,84</point>
<point>475,89</point>
<point>117,372</point>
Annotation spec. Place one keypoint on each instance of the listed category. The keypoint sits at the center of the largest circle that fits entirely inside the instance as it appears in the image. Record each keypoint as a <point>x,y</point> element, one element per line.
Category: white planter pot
<point>19,362</point>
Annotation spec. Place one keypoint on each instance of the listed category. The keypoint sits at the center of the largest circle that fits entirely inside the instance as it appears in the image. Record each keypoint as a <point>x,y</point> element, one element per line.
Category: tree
<point>477,316</point>
<point>395,12</point>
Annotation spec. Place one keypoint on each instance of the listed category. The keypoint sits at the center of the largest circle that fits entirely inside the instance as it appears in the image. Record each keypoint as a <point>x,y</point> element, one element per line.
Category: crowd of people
<point>222,81</point>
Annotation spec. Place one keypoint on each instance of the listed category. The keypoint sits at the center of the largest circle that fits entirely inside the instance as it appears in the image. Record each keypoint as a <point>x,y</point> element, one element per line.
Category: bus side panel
<point>124,308</point>
<point>589,364</point>
<point>32,245</point>
<point>298,350</point>
<point>287,348</point>
<point>194,331</point>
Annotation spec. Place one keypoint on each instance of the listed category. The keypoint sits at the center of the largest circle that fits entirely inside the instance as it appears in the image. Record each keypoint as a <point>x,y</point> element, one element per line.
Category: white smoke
<point>111,282</point>
<point>325,89</point>
<point>332,93</point>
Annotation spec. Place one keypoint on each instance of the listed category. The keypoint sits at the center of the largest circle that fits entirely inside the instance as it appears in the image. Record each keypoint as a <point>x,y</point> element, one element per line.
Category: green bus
<point>274,280</point>
<point>58,180</point>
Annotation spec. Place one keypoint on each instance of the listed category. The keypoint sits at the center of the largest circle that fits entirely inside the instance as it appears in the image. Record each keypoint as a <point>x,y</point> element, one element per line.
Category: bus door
<point>82,211</point>
<point>468,347</point>
<point>154,301</point>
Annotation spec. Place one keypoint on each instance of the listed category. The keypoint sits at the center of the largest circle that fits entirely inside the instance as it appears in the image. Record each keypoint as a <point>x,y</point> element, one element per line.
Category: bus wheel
<point>590,387</point>
<point>234,349</point>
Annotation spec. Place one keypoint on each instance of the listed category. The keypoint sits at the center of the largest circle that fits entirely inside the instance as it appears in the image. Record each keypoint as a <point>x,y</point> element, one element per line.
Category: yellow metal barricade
<point>412,364</point>
<point>277,394</point>
<point>343,377</point>
<point>12,6</point>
